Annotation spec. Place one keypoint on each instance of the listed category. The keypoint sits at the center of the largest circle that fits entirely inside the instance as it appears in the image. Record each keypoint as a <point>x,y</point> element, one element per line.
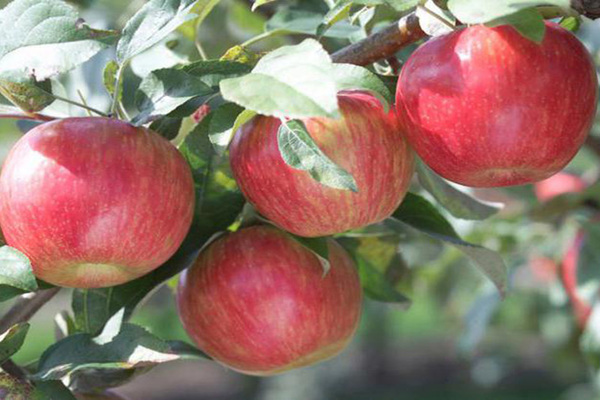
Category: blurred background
<point>458,340</point>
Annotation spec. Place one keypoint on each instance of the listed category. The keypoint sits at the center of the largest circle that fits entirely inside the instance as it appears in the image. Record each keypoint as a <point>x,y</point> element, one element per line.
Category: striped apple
<point>95,202</point>
<point>367,142</point>
<point>486,107</point>
<point>258,302</point>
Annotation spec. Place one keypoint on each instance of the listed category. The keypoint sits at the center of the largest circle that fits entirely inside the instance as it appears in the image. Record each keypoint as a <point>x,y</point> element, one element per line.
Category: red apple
<point>558,184</point>
<point>366,141</point>
<point>258,302</point>
<point>13,389</point>
<point>95,202</point>
<point>486,107</point>
<point>581,306</point>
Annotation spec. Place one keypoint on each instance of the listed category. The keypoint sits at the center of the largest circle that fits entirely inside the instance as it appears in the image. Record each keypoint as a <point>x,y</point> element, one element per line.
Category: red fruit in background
<point>486,107</point>
<point>366,142</point>
<point>558,184</point>
<point>95,202</point>
<point>544,269</point>
<point>257,301</point>
<point>581,306</point>
<point>200,113</point>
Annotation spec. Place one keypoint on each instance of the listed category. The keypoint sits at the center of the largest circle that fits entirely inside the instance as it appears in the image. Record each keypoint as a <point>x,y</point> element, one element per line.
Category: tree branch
<point>589,8</point>
<point>25,307</point>
<point>32,117</point>
<point>382,44</point>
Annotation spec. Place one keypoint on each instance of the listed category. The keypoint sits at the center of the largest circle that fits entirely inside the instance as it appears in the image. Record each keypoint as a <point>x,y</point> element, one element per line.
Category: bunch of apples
<point>95,202</point>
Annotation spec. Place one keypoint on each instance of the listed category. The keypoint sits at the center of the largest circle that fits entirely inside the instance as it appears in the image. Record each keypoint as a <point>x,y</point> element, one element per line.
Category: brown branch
<point>382,44</point>
<point>26,307</point>
<point>589,8</point>
<point>32,117</point>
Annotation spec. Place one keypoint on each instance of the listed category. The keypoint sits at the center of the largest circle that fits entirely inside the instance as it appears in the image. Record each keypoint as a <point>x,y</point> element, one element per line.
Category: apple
<point>558,184</point>
<point>367,142</point>
<point>259,302</point>
<point>13,389</point>
<point>486,107</point>
<point>581,306</point>
<point>95,202</point>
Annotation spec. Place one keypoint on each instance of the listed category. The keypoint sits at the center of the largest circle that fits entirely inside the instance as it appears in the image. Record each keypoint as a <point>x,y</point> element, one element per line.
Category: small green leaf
<point>25,93</point>
<point>51,390</point>
<point>109,78</point>
<point>164,90</point>
<point>420,214</point>
<point>319,247</point>
<point>571,23</point>
<point>151,24</point>
<point>16,276</point>
<point>300,151</point>
<point>353,77</point>
<point>258,3</point>
<point>167,127</point>
<point>132,347</point>
<point>292,81</point>
<point>201,9</point>
<point>12,340</point>
<point>481,12</point>
<point>458,203</point>
<point>220,128</point>
<point>529,23</point>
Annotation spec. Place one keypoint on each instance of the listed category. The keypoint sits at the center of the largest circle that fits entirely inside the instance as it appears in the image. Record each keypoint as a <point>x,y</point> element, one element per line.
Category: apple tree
<point>279,179</point>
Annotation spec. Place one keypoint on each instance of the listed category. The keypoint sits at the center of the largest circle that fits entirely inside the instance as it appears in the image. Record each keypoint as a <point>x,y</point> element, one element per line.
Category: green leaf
<point>40,39</point>
<point>420,214</point>
<point>480,12</point>
<point>164,90</point>
<point>529,23</point>
<point>12,340</point>
<point>353,77</point>
<point>16,276</point>
<point>109,78</point>
<point>292,20</point>
<point>214,71</point>
<point>220,128</point>
<point>300,151</point>
<point>201,9</point>
<point>292,81</point>
<point>52,390</point>
<point>167,127</point>
<point>241,119</point>
<point>152,23</point>
<point>571,23</point>
<point>319,247</point>
<point>132,347</point>
<point>458,203</point>
<point>435,21</point>
<point>374,259</point>
<point>258,3</point>
<point>24,92</point>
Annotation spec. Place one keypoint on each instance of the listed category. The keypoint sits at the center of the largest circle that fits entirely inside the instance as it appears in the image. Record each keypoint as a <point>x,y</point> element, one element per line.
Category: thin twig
<point>25,307</point>
<point>84,106</point>
<point>32,117</point>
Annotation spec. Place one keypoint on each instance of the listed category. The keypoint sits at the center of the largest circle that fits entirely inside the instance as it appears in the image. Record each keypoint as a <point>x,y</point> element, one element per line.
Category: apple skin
<point>366,141</point>
<point>486,107</point>
<point>95,202</point>
<point>257,301</point>
<point>581,307</point>
<point>558,184</point>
